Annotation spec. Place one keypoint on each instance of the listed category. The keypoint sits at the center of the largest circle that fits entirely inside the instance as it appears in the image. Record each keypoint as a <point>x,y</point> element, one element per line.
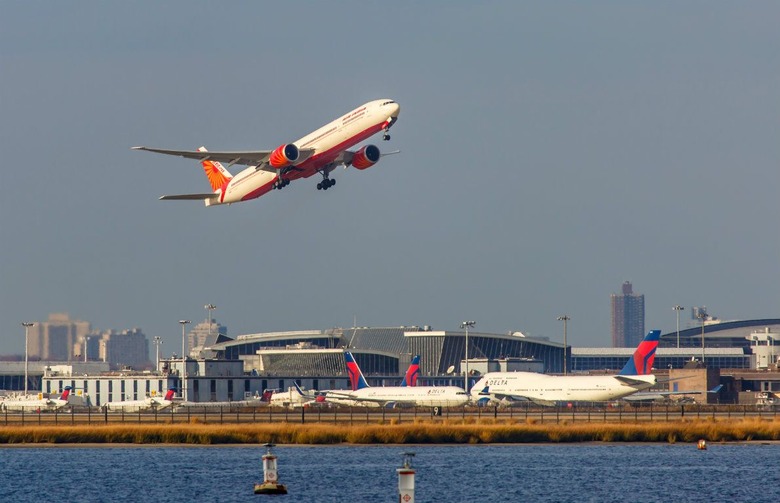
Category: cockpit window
<point>387,103</point>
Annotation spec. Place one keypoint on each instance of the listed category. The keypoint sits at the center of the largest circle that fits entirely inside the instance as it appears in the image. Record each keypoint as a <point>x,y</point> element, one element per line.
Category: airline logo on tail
<point>356,378</point>
<point>169,395</point>
<point>65,393</point>
<point>266,397</point>
<point>641,363</point>
<point>216,173</point>
<point>412,373</point>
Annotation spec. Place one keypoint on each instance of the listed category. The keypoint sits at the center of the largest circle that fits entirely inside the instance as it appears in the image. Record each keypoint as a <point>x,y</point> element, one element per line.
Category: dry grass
<point>443,432</point>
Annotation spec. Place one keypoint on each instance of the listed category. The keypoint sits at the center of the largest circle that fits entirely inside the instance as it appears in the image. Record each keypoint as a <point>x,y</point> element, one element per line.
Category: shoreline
<point>422,433</point>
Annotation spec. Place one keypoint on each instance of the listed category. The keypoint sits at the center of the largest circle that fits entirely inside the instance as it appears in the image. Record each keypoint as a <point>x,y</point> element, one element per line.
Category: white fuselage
<point>26,404</point>
<point>423,396</point>
<point>138,405</point>
<point>252,402</point>
<point>327,142</point>
<point>543,388</point>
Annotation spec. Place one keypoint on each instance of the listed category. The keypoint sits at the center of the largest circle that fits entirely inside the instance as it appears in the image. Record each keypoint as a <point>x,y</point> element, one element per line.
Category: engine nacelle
<point>284,155</point>
<point>366,157</point>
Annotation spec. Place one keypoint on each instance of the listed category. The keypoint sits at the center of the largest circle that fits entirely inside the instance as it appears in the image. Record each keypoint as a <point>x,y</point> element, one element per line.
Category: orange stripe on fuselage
<point>314,163</point>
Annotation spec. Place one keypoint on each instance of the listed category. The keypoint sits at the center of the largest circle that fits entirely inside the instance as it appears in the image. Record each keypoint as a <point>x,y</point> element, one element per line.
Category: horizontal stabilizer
<point>188,197</point>
<point>629,381</point>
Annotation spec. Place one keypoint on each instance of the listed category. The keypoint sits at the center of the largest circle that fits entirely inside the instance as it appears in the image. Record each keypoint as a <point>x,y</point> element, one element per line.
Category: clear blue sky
<point>550,151</point>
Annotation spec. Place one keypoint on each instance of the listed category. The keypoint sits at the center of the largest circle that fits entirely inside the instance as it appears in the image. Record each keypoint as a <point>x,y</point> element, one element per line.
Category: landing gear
<point>386,136</point>
<point>280,184</point>
<point>325,184</point>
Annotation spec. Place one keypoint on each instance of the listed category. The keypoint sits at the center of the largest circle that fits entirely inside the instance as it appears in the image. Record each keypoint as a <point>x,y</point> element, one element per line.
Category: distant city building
<point>123,348</point>
<point>56,338</point>
<point>628,317</point>
<point>202,336</point>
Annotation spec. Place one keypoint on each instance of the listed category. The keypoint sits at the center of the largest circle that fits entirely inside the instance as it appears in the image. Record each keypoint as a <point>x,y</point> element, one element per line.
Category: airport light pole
<point>157,342</point>
<point>678,309</point>
<point>702,315</point>
<point>183,323</point>
<point>26,325</point>
<point>565,319</point>
<point>210,308</point>
<point>467,325</point>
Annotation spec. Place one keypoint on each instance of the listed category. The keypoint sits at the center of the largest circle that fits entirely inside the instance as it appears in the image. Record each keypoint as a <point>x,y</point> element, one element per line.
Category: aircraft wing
<point>657,395</point>
<point>188,197</point>
<point>257,158</point>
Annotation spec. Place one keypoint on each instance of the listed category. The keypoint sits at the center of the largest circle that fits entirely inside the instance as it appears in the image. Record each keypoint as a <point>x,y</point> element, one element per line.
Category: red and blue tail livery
<point>641,363</point>
<point>356,378</point>
<point>412,373</point>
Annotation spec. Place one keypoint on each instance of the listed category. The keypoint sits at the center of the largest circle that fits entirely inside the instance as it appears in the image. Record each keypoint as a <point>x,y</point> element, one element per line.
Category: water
<point>485,473</point>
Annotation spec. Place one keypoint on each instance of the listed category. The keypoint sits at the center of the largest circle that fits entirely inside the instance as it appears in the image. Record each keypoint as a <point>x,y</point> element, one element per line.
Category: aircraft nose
<point>396,108</point>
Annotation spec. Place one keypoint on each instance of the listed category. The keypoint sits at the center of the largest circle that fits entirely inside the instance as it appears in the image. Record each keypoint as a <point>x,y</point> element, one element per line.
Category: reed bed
<point>412,433</point>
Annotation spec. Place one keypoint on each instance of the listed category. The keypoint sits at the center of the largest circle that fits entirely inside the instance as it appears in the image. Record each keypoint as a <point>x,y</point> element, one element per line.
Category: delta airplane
<point>318,152</point>
<point>255,401</point>
<point>40,403</point>
<point>150,402</point>
<point>365,395</point>
<point>552,389</point>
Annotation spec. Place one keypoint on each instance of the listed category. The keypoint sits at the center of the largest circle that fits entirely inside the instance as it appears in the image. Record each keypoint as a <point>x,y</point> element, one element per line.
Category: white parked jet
<point>365,395</point>
<point>36,404</point>
<point>319,152</point>
<point>148,403</point>
<point>255,401</point>
<point>547,389</point>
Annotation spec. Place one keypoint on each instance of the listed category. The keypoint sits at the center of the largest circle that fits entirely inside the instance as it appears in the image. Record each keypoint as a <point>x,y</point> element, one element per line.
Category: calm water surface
<point>489,473</point>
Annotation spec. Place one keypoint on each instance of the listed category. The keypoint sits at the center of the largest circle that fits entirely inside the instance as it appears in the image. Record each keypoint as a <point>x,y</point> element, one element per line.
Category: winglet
<point>641,363</point>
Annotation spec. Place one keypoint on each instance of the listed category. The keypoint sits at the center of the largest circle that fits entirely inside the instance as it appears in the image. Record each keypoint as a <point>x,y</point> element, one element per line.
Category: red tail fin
<point>169,395</point>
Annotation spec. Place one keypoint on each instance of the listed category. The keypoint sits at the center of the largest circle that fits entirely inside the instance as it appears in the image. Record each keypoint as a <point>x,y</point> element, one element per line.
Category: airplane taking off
<point>551,389</point>
<point>363,394</point>
<point>150,402</point>
<point>318,152</point>
<point>40,403</point>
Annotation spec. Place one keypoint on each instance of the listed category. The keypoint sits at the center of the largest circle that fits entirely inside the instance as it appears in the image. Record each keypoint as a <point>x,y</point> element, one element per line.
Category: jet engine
<point>284,155</point>
<point>366,157</point>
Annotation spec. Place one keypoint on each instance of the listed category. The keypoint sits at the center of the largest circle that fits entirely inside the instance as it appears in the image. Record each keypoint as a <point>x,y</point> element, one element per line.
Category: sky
<point>550,151</point>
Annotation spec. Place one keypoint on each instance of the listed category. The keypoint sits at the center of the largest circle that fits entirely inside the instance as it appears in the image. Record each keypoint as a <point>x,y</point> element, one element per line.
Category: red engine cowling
<point>284,155</point>
<point>366,157</point>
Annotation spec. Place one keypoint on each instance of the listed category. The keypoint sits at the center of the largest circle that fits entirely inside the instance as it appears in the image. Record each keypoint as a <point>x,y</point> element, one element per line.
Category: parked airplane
<point>256,401</point>
<point>551,389</point>
<point>412,373</point>
<point>150,402</point>
<point>365,395</point>
<point>36,404</point>
<point>319,152</point>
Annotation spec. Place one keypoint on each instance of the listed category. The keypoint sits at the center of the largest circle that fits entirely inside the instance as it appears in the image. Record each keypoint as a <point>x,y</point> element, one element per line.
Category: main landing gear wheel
<point>325,184</point>
<point>284,183</point>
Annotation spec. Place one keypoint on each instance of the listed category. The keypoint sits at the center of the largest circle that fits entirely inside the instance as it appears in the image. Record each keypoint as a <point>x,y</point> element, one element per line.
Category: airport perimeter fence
<point>368,415</point>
